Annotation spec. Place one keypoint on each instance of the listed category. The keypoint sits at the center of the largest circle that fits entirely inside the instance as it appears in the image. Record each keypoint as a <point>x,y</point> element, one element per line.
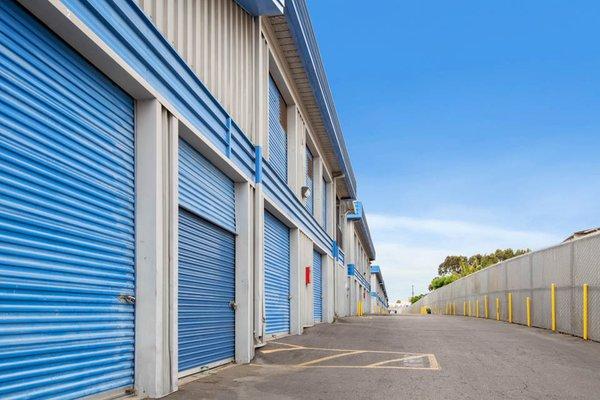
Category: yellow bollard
<point>585,312</point>
<point>510,308</point>
<point>477,308</point>
<point>469,309</point>
<point>464,308</point>
<point>485,305</point>
<point>528,301</point>
<point>497,309</point>
<point>553,306</point>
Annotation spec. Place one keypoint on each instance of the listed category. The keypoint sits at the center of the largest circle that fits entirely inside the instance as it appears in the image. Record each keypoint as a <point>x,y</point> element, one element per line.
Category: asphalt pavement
<point>410,357</point>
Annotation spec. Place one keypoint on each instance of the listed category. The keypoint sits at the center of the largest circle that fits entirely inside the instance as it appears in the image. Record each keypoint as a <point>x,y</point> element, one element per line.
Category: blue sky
<point>471,125</point>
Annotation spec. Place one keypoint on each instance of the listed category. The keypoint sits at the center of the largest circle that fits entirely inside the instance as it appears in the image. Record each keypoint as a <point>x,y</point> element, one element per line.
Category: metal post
<point>497,309</point>
<point>553,306</point>
<point>510,308</point>
<point>485,305</point>
<point>585,312</point>
<point>528,302</point>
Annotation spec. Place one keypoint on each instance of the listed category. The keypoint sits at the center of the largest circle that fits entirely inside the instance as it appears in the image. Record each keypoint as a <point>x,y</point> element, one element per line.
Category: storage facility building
<point>175,191</point>
<point>379,297</point>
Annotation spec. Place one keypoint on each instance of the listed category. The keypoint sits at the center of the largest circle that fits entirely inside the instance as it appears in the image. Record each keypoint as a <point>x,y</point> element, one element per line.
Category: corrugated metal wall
<point>218,40</point>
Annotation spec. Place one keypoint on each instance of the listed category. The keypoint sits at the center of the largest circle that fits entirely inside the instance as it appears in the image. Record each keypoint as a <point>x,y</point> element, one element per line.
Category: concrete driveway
<point>411,357</point>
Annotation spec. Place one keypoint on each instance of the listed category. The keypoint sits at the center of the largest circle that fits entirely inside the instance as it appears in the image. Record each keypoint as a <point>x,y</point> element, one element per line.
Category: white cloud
<point>410,249</point>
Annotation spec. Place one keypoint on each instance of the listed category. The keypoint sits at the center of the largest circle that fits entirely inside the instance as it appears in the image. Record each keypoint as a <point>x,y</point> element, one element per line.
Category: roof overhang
<point>296,13</point>
<point>262,7</point>
<point>376,270</point>
<point>363,229</point>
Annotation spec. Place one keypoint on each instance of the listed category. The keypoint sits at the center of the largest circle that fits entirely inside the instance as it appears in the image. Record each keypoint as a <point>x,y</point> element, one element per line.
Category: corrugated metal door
<point>66,219</point>
<point>317,287</point>
<point>277,131</point>
<point>206,263</point>
<point>277,275</point>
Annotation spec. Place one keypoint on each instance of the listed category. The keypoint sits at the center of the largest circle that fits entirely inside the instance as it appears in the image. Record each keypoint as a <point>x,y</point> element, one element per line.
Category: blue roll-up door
<point>66,219</point>
<point>317,287</point>
<point>206,319</point>
<point>277,131</point>
<point>277,275</point>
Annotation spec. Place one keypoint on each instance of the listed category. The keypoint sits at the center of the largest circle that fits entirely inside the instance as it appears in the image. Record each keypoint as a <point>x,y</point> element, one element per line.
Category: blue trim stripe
<point>228,138</point>
<point>258,164</point>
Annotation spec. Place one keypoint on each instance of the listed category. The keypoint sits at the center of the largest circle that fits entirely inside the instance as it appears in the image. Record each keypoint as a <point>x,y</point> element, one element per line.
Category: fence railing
<point>557,288</point>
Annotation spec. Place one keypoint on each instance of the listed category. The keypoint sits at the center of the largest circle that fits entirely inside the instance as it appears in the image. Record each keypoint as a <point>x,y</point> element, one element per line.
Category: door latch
<point>126,299</point>
<point>233,304</point>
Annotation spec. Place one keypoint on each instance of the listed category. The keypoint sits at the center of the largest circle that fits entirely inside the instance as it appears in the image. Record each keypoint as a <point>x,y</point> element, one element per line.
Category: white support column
<point>259,265</point>
<point>260,139</point>
<point>318,188</point>
<point>328,288</point>
<point>332,209</point>
<point>295,150</point>
<point>244,273</point>
<point>156,251</point>
<point>296,282</point>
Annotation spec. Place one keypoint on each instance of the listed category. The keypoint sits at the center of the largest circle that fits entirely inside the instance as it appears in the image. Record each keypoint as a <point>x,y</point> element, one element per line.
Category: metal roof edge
<point>262,7</point>
<point>296,13</point>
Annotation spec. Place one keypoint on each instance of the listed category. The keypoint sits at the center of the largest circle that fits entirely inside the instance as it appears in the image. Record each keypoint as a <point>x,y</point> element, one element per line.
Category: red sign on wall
<point>307,275</point>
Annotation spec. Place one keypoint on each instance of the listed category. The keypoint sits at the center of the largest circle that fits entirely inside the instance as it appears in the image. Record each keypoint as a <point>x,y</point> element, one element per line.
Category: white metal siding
<point>218,40</point>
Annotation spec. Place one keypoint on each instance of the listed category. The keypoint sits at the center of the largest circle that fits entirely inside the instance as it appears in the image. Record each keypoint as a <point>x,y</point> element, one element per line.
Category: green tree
<point>416,298</point>
<point>455,267</point>
<point>451,265</point>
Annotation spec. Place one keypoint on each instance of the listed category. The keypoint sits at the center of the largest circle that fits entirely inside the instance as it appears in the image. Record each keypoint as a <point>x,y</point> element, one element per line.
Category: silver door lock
<point>126,298</point>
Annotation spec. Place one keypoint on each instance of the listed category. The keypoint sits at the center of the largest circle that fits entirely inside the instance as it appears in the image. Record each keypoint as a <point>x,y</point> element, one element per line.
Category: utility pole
<point>413,290</point>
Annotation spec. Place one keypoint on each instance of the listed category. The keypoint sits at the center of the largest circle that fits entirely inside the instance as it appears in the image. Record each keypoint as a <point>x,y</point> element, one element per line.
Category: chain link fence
<point>519,290</point>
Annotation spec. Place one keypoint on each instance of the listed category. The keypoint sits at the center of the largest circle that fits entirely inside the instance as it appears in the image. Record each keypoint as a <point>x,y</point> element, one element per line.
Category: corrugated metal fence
<point>552,281</point>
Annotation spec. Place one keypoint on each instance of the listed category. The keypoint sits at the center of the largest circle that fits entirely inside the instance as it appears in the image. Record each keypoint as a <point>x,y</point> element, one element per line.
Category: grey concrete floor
<point>411,357</point>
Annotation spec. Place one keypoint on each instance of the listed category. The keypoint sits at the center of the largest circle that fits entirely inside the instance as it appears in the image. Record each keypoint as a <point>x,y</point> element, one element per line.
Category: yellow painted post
<point>454,307</point>
<point>510,308</point>
<point>497,309</point>
<point>469,308</point>
<point>485,305</point>
<point>464,308</point>
<point>553,306</point>
<point>528,301</point>
<point>585,312</point>
<point>477,308</point>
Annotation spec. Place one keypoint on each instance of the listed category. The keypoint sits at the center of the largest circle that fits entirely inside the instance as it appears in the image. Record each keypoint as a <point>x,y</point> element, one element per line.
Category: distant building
<point>379,298</point>
<point>578,234</point>
<point>399,307</point>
